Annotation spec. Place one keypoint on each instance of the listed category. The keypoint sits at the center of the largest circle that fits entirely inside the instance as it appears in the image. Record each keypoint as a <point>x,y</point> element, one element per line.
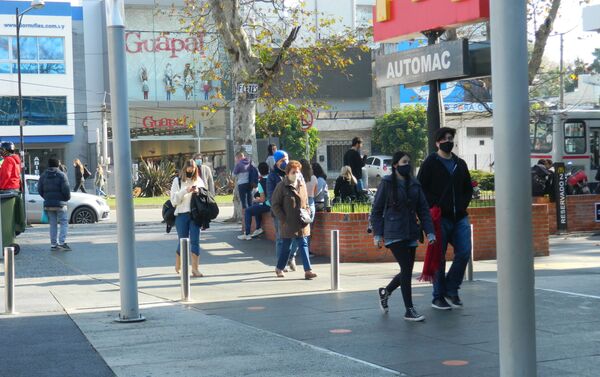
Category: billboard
<point>394,20</point>
<point>165,64</point>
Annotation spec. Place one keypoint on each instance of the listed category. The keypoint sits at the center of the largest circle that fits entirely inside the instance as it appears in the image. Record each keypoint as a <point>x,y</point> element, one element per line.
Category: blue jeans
<point>256,210</point>
<point>55,217</point>
<point>245,192</point>
<point>459,235</point>
<point>100,192</point>
<point>302,243</point>
<point>187,228</point>
<point>359,185</point>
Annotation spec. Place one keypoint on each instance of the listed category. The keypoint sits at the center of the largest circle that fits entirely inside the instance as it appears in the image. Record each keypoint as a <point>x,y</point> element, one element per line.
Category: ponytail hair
<point>395,159</point>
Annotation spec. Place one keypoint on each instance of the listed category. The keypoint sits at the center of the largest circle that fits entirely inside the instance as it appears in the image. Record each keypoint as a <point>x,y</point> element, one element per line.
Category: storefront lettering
<point>150,122</point>
<point>135,44</point>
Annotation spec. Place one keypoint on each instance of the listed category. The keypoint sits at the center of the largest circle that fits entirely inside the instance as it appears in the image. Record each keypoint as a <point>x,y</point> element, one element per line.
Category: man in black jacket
<point>446,181</point>
<point>53,186</point>
<point>356,162</point>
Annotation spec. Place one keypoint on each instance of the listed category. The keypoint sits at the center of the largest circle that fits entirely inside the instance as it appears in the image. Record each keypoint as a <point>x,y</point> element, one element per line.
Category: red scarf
<point>433,257</point>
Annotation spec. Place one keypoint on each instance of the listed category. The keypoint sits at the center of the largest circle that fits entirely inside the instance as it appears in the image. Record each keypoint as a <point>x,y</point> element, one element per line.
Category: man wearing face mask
<point>446,181</point>
<point>275,176</point>
<point>205,173</point>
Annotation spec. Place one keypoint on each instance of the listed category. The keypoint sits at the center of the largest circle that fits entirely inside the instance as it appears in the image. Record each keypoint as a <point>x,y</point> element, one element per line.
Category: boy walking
<point>53,186</point>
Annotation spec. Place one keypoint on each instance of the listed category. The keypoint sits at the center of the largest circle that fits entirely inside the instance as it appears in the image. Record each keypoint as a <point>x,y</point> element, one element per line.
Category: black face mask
<point>447,146</point>
<point>188,174</point>
<point>404,170</point>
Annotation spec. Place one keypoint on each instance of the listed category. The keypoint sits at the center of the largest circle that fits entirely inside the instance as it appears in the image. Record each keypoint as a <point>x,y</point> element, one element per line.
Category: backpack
<point>203,208</point>
<point>253,176</point>
<point>539,182</point>
<point>86,173</point>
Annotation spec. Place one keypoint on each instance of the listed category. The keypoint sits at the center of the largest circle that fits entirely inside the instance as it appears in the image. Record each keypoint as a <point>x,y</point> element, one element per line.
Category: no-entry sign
<point>306,119</point>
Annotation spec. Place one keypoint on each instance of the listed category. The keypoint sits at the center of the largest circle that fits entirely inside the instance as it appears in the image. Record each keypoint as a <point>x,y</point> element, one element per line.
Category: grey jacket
<point>399,222</point>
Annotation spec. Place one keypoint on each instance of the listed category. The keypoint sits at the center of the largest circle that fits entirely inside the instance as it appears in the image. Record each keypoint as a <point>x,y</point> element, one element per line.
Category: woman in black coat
<point>398,203</point>
<point>345,186</point>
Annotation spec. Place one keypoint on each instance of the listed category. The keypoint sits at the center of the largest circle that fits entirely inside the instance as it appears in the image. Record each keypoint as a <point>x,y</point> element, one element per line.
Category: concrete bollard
<point>184,250</point>
<point>335,260</point>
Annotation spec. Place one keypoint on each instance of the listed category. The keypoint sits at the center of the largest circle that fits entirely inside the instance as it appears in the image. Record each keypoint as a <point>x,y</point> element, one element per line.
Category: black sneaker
<point>413,316</point>
<point>440,304</point>
<point>383,299</point>
<point>54,248</point>
<point>454,301</point>
<point>64,247</point>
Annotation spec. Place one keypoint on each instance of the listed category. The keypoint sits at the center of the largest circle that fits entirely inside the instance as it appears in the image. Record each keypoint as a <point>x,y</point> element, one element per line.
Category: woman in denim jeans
<point>182,189</point>
<point>287,202</point>
<point>398,202</point>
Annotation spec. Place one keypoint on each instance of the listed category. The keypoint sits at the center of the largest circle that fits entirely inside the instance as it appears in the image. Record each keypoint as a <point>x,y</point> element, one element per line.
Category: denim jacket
<point>399,222</point>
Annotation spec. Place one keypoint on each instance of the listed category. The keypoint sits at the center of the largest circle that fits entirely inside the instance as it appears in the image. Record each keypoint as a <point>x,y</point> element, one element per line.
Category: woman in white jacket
<point>182,189</point>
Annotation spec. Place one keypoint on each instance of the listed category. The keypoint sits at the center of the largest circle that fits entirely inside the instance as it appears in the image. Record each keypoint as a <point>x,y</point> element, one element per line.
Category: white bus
<point>567,136</point>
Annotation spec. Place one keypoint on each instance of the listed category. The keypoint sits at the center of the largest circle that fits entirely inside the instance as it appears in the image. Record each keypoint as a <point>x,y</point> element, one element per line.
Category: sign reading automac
<point>437,62</point>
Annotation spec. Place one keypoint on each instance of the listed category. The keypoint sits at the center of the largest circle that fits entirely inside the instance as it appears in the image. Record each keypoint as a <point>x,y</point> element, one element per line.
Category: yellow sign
<point>383,10</point>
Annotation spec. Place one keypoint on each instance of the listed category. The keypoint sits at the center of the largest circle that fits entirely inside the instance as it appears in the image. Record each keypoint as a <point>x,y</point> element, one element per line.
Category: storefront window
<point>43,55</point>
<point>50,111</point>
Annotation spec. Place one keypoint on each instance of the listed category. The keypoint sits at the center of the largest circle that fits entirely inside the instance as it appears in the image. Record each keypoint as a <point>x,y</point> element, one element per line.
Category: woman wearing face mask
<point>288,199</point>
<point>182,189</point>
<point>398,203</point>
<point>205,173</point>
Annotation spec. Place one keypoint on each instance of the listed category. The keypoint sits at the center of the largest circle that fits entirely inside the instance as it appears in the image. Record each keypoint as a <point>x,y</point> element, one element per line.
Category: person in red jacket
<point>10,171</point>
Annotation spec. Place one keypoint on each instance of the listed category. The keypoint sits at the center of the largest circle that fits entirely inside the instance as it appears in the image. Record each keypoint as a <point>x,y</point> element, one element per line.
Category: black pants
<point>406,259</point>
<point>80,186</point>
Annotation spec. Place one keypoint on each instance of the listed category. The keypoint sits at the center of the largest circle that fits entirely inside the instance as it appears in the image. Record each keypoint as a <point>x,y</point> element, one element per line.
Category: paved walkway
<point>244,321</point>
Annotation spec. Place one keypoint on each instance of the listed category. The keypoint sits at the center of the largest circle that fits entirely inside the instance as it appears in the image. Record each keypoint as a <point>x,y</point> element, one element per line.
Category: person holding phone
<point>182,189</point>
<point>398,203</point>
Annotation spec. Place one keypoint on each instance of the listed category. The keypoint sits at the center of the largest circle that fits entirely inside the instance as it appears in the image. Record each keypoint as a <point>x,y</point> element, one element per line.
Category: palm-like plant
<point>155,178</point>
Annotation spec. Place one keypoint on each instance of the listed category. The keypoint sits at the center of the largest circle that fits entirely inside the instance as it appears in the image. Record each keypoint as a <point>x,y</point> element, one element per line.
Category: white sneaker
<point>258,232</point>
<point>244,237</point>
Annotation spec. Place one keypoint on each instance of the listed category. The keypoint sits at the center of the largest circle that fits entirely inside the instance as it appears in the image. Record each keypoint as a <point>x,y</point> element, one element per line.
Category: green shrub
<point>155,179</point>
<point>485,179</point>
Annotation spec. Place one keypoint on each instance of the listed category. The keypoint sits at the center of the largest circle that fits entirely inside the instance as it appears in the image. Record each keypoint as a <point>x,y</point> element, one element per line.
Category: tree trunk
<point>541,37</point>
<point>244,136</point>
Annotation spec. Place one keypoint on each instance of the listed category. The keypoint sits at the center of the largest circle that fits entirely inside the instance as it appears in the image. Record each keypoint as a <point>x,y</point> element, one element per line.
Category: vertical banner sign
<point>560,189</point>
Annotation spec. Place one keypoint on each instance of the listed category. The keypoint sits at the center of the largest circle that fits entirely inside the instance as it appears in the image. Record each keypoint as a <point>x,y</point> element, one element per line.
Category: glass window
<point>28,46</point>
<point>4,48</point>
<point>51,48</point>
<point>5,68</point>
<point>52,68</point>
<point>540,133</point>
<point>50,111</point>
<point>26,68</point>
<point>369,161</point>
<point>32,185</point>
<point>575,137</point>
<point>387,162</point>
<point>377,162</point>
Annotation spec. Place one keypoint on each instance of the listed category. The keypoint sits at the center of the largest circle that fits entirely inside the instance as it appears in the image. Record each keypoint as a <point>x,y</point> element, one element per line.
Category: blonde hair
<point>78,164</point>
<point>346,173</point>
<point>189,164</point>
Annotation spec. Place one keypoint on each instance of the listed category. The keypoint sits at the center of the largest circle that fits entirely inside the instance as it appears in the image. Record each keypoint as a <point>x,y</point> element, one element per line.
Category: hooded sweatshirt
<point>242,171</point>
<point>53,186</point>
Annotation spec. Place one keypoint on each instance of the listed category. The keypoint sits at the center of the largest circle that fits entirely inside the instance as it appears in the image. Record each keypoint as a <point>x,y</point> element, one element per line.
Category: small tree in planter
<point>155,178</point>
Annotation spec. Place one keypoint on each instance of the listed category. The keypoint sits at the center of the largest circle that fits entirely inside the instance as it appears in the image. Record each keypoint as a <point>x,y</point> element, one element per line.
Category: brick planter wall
<point>356,245</point>
<point>580,213</point>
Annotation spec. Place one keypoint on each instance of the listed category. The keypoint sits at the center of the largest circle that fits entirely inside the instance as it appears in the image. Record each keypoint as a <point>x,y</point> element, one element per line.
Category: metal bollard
<point>184,251</point>
<point>470,265</point>
<point>335,260</point>
<point>9,280</point>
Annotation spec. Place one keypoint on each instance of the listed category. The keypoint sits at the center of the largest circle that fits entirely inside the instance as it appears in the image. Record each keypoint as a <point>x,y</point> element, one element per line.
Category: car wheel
<point>16,247</point>
<point>83,215</point>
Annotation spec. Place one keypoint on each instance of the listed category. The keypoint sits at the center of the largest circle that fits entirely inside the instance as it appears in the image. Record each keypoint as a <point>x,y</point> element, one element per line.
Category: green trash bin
<point>13,217</point>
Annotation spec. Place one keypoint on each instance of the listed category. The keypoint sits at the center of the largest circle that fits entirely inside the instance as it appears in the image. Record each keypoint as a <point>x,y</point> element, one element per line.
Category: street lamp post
<point>35,4</point>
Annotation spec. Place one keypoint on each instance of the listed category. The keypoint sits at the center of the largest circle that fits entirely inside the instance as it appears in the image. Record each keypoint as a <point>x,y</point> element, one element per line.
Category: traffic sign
<point>306,119</point>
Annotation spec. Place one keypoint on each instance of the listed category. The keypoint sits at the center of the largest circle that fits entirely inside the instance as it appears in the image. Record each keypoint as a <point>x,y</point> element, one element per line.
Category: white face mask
<point>293,177</point>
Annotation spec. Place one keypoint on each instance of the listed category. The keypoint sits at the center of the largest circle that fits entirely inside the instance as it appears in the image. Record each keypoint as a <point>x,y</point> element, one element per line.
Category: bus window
<point>574,137</point>
<point>595,147</point>
<point>540,135</point>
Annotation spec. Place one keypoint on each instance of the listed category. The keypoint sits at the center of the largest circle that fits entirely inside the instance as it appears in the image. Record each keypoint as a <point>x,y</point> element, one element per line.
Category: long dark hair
<point>397,157</point>
<point>307,171</point>
<point>270,150</point>
<point>318,171</point>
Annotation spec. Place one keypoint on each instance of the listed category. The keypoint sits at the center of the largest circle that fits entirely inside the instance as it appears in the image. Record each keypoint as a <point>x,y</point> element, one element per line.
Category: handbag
<point>305,217</point>
<point>44,219</point>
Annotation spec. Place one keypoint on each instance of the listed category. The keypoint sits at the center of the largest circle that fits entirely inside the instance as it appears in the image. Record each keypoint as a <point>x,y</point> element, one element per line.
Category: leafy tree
<point>595,66</point>
<point>573,71</point>
<point>285,124</point>
<point>404,129</point>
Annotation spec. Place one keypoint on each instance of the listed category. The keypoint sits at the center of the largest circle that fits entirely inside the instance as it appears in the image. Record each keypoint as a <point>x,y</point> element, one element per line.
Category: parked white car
<point>81,209</point>
<point>378,166</point>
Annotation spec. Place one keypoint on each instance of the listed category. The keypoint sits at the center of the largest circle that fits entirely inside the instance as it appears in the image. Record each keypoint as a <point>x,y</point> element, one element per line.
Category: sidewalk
<point>245,321</point>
